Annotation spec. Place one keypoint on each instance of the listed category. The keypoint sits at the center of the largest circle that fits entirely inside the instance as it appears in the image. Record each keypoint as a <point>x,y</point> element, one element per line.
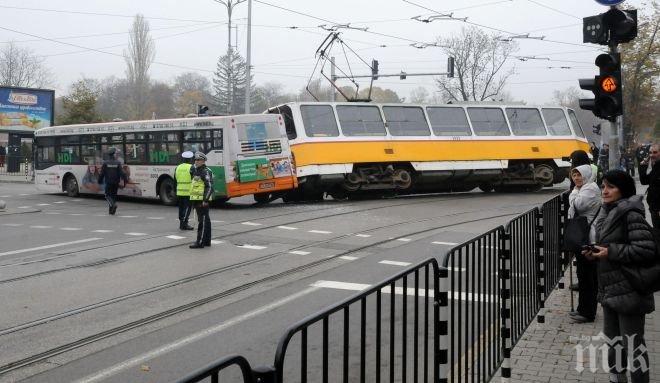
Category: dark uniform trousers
<point>203,224</point>
<point>111,194</point>
<point>184,209</point>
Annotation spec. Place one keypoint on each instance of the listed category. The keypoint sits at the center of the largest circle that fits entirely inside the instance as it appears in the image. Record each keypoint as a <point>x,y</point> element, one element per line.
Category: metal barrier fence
<point>16,168</point>
<point>455,323</point>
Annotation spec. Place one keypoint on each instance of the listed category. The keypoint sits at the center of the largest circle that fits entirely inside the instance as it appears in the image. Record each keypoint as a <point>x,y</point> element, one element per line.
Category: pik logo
<point>23,98</point>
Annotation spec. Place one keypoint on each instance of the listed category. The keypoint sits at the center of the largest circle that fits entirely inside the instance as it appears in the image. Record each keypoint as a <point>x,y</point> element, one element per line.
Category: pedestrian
<point>604,158</point>
<point>112,173</point>
<point>623,241</point>
<point>594,151</point>
<point>584,201</point>
<point>182,178</point>
<point>652,178</point>
<point>201,193</point>
<point>3,153</point>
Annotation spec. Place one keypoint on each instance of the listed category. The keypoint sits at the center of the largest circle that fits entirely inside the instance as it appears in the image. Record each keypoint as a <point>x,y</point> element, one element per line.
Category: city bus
<point>248,154</point>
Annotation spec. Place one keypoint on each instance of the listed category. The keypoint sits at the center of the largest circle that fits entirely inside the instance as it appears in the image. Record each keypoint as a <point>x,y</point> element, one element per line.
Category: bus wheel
<point>167,192</point>
<point>71,186</point>
<point>262,197</point>
<point>486,187</point>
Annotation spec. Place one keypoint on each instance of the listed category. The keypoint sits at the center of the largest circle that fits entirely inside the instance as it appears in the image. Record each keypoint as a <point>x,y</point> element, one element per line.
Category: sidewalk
<point>547,352</point>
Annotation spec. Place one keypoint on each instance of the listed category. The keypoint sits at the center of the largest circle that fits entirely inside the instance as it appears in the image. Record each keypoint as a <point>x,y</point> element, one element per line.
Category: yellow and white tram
<point>341,148</point>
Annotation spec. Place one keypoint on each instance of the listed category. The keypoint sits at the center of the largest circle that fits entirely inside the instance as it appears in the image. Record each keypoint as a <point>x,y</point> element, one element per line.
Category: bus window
<point>406,121</point>
<point>360,120</point>
<point>319,121</point>
<point>488,122</point>
<point>526,122</point>
<point>217,139</point>
<point>197,141</point>
<point>136,153</point>
<point>576,124</point>
<point>449,121</point>
<point>45,152</point>
<point>68,150</point>
<point>164,148</point>
<point>556,122</point>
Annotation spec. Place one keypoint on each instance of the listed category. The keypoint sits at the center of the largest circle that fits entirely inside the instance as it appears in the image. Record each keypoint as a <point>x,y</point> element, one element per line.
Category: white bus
<point>248,154</point>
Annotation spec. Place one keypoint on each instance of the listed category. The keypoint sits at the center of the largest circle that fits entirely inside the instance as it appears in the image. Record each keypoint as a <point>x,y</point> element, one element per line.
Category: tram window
<point>576,124</point>
<point>449,121</point>
<point>319,121</point>
<point>526,122</point>
<point>360,121</point>
<point>289,125</point>
<point>488,122</point>
<point>556,122</point>
<point>406,121</point>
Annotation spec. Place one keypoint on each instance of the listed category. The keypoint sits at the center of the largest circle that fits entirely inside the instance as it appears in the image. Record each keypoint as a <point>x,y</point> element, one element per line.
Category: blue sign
<point>610,2</point>
<point>26,109</point>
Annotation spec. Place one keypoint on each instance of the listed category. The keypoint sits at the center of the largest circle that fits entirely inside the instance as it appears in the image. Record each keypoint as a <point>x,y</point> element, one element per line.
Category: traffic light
<point>615,26</point>
<point>402,75</point>
<point>202,109</point>
<point>374,69</point>
<point>450,67</point>
<point>606,87</point>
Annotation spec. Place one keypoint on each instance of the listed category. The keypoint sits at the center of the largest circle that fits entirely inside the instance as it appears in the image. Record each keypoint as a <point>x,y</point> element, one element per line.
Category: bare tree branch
<point>22,68</point>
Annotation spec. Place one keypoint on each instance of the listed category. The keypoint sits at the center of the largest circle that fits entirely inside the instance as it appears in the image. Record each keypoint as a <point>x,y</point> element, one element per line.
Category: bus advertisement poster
<point>26,109</point>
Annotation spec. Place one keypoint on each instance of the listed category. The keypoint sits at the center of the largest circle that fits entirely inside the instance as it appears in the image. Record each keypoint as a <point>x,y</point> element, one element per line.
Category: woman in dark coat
<point>623,237</point>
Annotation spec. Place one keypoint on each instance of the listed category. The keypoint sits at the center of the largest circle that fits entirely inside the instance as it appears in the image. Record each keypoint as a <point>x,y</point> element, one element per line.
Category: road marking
<point>76,214</point>
<point>299,252</point>
<point>410,291</point>
<point>348,257</point>
<point>5,196</point>
<point>52,213</point>
<point>319,232</point>
<point>108,372</point>
<point>48,246</point>
<point>363,235</point>
<point>175,237</point>
<point>24,207</point>
<point>248,223</point>
<point>395,263</point>
<point>444,243</point>
<point>135,234</point>
<point>403,239</point>
<point>12,224</point>
<point>76,200</point>
<point>103,231</point>
<point>127,216</point>
<point>251,247</point>
<point>287,228</point>
<point>43,204</point>
<point>60,202</point>
<point>24,194</point>
<point>155,217</point>
<point>70,228</point>
<point>216,242</point>
<point>40,227</point>
<point>216,221</point>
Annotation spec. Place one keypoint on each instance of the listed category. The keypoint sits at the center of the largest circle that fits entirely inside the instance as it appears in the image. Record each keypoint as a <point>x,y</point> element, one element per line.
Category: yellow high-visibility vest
<point>197,189</point>
<point>182,174</point>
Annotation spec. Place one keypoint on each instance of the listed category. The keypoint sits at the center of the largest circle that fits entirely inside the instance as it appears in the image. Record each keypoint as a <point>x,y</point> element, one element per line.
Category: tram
<point>350,147</point>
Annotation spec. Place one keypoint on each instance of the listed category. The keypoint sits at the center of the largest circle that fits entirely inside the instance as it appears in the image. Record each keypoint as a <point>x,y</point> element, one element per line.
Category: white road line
<point>395,263</point>
<point>248,223</point>
<point>23,194</point>
<point>299,252</point>
<point>444,243</point>
<point>175,237</point>
<point>76,200</point>
<point>216,221</point>
<point>40,227</point>
<point>24,207</point>
<point>457,295</point>
<point>127,216</point>
<point>363,235</point>
<point>103,231</point>
<point>60,202</point>
<point>287,228</point>
<point>251,247</point>
<point>135,234</point>
<point>48,246</point>
<point>216,242</point>
<point>155,217</point>
<point>70,228</point>
<point>52,213</point>
<point>43,204</point>
<point>348,257</point>
<point>319,232</point>
<point>404,239</point>
<point>108,372</point>
<point>76,214</point>
<point>12,224</point>
<point>5,196</point>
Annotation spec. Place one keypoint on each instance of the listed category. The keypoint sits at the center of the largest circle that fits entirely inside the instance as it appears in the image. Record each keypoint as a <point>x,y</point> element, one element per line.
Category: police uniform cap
<point>187,154</point>
<point>200,156</point>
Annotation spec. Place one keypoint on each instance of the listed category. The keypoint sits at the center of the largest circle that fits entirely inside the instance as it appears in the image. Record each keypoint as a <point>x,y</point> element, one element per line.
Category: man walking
<point>652,179</point>
<point>183,180</point>
<point>201,193</point>
<point>111,174</point>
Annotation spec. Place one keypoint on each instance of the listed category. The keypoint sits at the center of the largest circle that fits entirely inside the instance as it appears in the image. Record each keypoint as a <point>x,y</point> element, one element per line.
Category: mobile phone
<point>589,247</point>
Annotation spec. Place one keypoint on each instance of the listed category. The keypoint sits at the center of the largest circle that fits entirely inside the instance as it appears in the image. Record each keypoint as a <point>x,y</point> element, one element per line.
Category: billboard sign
<point>25,109</point>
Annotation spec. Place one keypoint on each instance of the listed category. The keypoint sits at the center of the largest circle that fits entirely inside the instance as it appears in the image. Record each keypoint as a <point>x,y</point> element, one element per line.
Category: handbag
<point>576,233</point>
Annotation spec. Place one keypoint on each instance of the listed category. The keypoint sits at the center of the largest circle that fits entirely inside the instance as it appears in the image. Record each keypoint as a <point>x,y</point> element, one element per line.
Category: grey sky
<point>281,54</point>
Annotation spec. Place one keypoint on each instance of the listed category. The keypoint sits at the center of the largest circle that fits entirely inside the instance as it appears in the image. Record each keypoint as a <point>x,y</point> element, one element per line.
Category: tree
<point>161,100</point>
<point>379,94</point>
<point>115,99</point>
<point>80,104</point>
<point>570,98</point>
<point>268,95</point>
<point>419,95</point>
<point>479,65</point>
<point>191,89</point>
<point>641,73</point>
<point>229,83</point>
<point>141,53</point>
<point>22,68</point>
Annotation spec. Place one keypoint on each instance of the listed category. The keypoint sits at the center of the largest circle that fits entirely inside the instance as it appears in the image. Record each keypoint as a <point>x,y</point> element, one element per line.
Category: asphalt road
<point>89,297</point>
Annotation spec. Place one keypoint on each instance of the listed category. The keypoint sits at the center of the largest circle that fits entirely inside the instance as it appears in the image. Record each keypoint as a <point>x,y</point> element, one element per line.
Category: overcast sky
<point>192,34</point>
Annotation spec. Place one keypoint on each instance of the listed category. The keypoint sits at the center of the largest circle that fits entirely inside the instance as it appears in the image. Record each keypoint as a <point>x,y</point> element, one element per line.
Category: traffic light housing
<point>450,67</point>
<point>606,87</point>
<point>615,26</point>
<point>202,109</point>
<point>374,69</point>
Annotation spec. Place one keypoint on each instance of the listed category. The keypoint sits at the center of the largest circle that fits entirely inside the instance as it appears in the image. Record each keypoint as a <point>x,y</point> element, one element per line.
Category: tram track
<point>198,303</point>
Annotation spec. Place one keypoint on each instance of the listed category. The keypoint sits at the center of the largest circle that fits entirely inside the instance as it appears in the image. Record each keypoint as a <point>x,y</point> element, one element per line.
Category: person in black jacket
<point>623,239</point>
<point>652,179</point>
<point>112,173</point>
<point>201,193</point>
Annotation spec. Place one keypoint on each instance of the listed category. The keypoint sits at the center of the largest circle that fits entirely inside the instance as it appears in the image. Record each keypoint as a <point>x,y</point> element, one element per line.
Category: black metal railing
<point>214,370</point>
<point>474,317</point>
<point>16,167</point>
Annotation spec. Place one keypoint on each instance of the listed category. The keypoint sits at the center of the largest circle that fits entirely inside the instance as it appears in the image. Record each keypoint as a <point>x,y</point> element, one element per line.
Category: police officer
<point>201,192</point>
<point>182,178</point>
<point>111,174</point>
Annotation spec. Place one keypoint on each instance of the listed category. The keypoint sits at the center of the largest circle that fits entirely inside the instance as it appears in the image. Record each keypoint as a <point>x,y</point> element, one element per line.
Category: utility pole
<point>248,57</point>
<point>229,4</point>
<point>333,78</point>
<point>614,130</point>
